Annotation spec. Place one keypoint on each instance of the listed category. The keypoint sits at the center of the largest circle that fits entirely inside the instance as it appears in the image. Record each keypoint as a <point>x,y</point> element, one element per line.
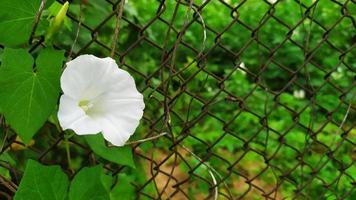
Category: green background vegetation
<point>245,121</point>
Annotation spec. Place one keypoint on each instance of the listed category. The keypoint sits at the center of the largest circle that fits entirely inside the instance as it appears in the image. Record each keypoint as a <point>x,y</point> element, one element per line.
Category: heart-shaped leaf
<point>28,97</point>
<point>16,20</point>
<point>42,182</point>
<point>123,189</point>
<point>119,155</point>
<point>88,184</point>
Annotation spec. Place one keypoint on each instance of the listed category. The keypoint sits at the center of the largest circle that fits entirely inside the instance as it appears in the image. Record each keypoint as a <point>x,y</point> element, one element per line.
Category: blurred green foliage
<point>237,129</point>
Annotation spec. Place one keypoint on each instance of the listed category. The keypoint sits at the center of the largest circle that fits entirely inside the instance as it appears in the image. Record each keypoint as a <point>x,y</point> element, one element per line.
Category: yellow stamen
<point>85,105</point>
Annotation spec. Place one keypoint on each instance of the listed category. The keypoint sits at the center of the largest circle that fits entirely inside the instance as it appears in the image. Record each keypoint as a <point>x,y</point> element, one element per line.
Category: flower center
<point>86,105</point>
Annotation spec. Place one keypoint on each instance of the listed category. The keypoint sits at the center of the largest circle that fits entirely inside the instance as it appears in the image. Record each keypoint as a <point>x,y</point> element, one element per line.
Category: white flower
<point>99,97</point>
<point>242,66</point>
<point>337,74</point>
<point>272,1</point>
<point>299,94</point>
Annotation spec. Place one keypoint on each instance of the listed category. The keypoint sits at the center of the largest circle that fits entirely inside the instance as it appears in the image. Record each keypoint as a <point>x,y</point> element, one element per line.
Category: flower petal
<point>87,76</point>
<point>86,126</point>
<point>121,107</point>
<point>114,133</point>
<point>71,116</point>
<point>124,87</point>
<point>122,120</point>
<point>122,92</point>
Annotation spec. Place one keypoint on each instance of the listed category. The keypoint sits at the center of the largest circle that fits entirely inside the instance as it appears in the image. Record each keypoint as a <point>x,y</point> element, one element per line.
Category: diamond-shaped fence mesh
<point>249,99</point>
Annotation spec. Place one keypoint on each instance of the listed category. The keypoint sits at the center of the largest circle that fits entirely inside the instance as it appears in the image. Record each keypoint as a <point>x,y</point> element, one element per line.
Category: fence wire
<point>243,155</point>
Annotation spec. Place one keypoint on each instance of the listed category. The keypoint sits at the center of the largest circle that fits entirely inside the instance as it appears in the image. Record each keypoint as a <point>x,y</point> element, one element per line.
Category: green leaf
<point>119,155</point>
<point>106,180</point>
<point>27,98</point>
<point>123,189</point>
<point>54,8</point>
<point>87,184</point>
<point>42,182</point>
<point>16,20</point>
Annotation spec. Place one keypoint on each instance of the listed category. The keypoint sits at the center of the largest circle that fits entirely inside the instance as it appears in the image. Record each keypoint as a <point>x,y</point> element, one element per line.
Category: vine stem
<point>77,33</point>
<point>3,143</point>
<point>119,11</point>
<point>210,170</point>
<point>37,20</point>
<point>8,184</point>
<point>143,140</point>
<point>67,146</point>
<point>146,139</point>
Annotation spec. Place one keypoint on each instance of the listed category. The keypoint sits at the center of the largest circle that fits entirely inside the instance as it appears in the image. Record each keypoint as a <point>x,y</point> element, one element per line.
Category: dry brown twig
<point>119,11</point>
<point>37,20</point>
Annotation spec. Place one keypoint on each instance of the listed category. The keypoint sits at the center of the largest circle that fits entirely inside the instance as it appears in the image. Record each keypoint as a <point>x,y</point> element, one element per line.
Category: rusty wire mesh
<point>171,94</point>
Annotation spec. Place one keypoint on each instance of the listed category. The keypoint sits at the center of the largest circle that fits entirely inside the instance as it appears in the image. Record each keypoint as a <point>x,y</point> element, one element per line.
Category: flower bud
<point>57,21</point>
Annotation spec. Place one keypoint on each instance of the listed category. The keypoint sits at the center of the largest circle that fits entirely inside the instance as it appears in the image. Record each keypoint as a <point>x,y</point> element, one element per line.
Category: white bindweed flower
<point>242,66</point>
<point>299,94</point>
<point>272,1</point>
<point>99,97</point>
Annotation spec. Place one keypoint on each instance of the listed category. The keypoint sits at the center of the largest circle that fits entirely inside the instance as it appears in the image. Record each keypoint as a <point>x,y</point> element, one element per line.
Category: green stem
<point>66,141</point>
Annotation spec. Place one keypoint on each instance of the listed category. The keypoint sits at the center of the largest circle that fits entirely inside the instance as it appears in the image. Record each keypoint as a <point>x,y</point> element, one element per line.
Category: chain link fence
<point>241,103</point>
